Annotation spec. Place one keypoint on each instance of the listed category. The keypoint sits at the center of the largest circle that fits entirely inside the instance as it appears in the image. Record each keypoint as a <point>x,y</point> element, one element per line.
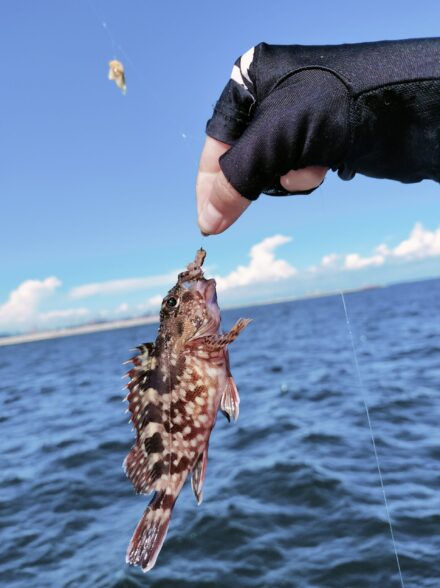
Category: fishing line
<point>104,26</point>
<point>373,440</point>
<point>118,48</point>
<point>115,46</point>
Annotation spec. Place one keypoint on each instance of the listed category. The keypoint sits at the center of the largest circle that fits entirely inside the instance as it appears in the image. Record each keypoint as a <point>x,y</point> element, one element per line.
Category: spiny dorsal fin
<point>143,358</point>
<point>144,464</point>
<point>143,363</point>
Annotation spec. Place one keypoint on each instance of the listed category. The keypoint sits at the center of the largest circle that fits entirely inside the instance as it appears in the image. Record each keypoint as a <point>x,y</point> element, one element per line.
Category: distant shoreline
<point>139,321</point>
<point>81,330</point>
<point>148,320</point>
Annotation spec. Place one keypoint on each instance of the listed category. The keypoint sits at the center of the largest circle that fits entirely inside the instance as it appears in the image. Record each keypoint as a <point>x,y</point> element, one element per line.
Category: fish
<point>177,386</point>
<point>117,73</point>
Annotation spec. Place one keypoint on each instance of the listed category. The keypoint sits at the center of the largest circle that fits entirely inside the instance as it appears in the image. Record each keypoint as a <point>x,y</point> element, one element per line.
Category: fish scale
<point>177,385</point>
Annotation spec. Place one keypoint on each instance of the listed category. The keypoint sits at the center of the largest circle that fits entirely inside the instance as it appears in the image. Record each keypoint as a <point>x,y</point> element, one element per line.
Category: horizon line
<point>89,328</point>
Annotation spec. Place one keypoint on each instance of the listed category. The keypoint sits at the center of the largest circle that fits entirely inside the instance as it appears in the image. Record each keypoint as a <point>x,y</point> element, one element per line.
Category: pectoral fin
<point>207,345</point>
<point>220,341</point>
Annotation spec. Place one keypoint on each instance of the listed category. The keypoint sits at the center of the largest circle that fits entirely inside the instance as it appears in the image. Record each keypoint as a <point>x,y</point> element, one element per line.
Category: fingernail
<point>210,219</point>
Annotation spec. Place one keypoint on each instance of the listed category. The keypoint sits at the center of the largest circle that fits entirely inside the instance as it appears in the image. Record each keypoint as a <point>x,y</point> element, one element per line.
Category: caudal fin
<point>151,531</point>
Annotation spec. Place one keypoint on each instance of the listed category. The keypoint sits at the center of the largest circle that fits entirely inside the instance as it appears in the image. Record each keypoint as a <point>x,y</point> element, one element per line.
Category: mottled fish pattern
<point>177,385</point>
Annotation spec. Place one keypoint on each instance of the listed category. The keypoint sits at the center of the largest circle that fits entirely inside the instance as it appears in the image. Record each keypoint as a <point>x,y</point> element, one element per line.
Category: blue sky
<point>98,187</point>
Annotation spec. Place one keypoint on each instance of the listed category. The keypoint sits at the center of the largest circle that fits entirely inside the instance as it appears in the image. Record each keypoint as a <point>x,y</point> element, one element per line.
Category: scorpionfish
<point>177,385</point>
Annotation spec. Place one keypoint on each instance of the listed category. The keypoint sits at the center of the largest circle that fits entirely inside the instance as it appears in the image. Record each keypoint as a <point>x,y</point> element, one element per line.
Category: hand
<point>256,128</point>
<point>219,204</point>
<point>369,108</point>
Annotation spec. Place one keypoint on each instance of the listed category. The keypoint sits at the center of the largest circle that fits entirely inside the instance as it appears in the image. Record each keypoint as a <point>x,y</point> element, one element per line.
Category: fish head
<point>190,309</point>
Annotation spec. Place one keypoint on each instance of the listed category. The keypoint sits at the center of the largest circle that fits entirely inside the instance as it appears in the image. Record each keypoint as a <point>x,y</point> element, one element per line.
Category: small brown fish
<point>117,73</point>
<point>177,385</point>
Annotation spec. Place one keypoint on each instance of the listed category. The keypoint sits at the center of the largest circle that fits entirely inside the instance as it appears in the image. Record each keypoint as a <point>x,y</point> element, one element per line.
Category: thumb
<point>218,203</point>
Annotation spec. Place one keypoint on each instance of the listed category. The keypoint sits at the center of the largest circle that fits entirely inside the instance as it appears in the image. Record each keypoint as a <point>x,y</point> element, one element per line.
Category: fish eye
<point>171,302</point>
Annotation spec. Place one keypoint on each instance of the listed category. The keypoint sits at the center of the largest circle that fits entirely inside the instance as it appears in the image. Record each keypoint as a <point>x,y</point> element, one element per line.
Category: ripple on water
<point>322,438</point>
<point>295,500</point>
<point>288,483</point>
<point>48,389</point>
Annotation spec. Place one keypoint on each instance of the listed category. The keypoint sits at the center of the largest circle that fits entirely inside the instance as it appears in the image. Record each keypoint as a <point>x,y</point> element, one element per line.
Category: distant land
<point>135,322</point>
<point>147,320</point>
<point>80,330</point>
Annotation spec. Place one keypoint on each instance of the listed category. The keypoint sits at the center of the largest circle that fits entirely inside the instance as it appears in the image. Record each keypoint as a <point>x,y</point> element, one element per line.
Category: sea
<point>292,497</point>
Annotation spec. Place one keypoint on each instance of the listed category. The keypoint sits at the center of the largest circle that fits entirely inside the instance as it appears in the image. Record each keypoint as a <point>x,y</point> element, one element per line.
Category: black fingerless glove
<point>372,108</point>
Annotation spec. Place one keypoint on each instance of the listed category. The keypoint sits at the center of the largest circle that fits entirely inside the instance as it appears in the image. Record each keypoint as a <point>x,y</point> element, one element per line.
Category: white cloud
<point>65,314</point>
<point>263,267</point>
<point>330,261</point>
<point>151,304</point>
<point>354,261</point>
<point>420,244</point>
<point>21,308</point>
<point>382,250</point>
<point>154,301</point>
<point>119,286</point>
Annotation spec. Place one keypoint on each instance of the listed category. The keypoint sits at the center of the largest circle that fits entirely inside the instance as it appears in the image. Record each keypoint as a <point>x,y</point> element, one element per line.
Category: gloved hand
<point>372,108</point>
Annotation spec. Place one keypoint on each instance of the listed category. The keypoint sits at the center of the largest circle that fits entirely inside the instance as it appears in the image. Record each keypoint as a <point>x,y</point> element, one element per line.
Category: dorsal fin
<point>143,358</point>
<point>143,363</point>
<point>144,464</point>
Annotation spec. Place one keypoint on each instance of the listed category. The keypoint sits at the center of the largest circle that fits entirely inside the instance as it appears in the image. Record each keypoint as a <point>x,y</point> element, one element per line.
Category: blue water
<point>292,496</point>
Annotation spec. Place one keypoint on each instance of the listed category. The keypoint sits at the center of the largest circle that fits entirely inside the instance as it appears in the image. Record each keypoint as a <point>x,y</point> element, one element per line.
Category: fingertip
<point>210,220</point>
<point>222,208</point>
<point>301,180</point>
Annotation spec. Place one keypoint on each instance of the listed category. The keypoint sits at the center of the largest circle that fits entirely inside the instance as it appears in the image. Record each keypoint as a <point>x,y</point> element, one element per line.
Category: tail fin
<point>151,531</point>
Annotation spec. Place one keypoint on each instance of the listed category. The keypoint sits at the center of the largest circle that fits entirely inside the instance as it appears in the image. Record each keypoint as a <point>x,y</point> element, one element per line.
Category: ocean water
<point>292,495</point>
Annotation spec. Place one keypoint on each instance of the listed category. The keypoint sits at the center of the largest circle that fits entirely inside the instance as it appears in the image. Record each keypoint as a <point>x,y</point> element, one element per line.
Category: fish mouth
<point>207,289</point>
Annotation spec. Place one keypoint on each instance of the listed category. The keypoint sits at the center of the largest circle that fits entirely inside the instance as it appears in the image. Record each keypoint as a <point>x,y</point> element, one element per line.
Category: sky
<point>97,188</point>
